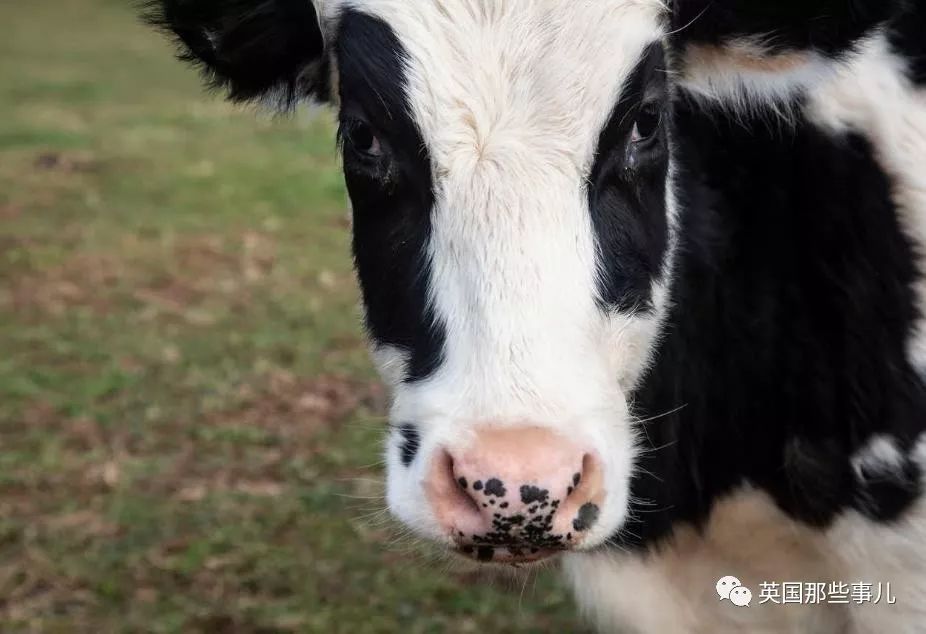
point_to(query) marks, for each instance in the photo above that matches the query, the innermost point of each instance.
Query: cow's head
(509, 170)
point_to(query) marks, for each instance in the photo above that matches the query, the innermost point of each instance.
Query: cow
(646, 279)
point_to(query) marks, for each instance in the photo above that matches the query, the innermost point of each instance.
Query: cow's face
(509, 172)
(508, 167)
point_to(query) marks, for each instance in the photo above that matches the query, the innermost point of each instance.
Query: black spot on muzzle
(530, 494)
(495, 487)
(588, 515)
(411, 442)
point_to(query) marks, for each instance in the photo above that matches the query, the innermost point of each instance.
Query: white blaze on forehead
(534, 80)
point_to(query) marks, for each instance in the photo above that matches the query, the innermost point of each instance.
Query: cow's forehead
(484, 76)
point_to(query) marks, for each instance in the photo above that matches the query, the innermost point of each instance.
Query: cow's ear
(254, 49)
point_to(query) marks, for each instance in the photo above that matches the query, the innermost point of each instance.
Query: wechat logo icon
(731, 588)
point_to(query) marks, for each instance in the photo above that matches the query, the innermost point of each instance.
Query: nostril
(576, 483)
(576, 479)
(464, 495)
(584, 495)
(582, 480)
(450, 495)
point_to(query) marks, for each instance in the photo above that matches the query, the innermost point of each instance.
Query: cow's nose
(516, 494)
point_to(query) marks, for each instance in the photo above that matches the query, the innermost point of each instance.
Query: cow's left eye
(647, 123)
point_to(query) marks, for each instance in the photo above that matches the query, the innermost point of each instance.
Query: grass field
(189, 425)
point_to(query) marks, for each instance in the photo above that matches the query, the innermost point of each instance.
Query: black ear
(254, 49)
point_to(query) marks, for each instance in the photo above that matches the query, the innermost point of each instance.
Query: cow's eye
(360, 138)
(647, 123)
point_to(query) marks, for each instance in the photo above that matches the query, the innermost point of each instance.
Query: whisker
(348, 496)
(663, 415)
(693, 20)
(378, 463)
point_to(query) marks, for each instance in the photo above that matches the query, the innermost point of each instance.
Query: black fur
(392, 202)
(411, 443)
(253, 49)
(627, 192)
(830, 27)
(907, 35)
(785, 351)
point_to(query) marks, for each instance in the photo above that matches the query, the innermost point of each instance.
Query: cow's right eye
(360, 138)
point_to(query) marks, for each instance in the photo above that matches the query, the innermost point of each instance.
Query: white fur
(511, 99)
(874, 97)
(863, 550)
(672, 588)
(880, 455)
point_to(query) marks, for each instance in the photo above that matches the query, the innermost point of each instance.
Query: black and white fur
(691, 235)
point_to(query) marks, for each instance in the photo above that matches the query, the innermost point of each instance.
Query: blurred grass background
(189, 425)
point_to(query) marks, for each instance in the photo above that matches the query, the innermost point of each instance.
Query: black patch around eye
(627, 189)
(391, 203)
(411, 443)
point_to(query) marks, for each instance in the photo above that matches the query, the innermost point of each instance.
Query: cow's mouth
(512, 554)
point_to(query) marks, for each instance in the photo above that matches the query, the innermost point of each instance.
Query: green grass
(189, 425)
